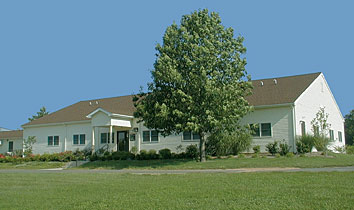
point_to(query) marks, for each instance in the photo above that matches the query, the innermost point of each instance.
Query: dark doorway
(11, 146)
(122, 141)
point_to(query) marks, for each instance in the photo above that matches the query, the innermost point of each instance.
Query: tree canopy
(42, 112)
(349, 128)
(199, 79)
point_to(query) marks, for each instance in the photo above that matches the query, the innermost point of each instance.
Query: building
(11, 141)
(283, 109)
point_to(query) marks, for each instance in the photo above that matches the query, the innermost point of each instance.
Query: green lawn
(31, 165)
(300, 162)
(300, 190)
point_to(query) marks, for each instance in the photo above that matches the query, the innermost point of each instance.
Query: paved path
(157, 171)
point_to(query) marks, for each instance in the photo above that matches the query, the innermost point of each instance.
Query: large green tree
(199, 79)
(42, 112)
(349, 128)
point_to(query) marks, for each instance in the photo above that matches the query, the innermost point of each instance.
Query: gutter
(53, 124)
(273, 106)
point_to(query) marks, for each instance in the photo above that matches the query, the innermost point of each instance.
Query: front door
(122, 141)
(11, 146)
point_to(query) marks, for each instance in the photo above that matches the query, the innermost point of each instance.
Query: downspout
(294, 127)
(66, 136)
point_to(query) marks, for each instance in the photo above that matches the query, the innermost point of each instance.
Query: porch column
(93, 139)
(110, 134)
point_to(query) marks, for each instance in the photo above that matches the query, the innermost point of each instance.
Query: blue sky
(56, 53)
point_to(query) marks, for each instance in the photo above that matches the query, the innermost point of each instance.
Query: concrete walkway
(157, 171)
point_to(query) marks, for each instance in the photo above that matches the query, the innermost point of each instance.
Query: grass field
(31, 165)
(231, 163)
(300, 190)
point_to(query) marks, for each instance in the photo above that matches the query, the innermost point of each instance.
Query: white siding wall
(307, 105)
(65, 133)
(281, 122)
(4, 147)
(171, 142)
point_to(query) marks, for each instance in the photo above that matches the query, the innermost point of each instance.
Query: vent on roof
(96, 102)
(262, 83)
(90, 103)
(275, 81)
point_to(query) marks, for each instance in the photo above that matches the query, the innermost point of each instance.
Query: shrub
(192, 151)
(321, 142)
(350, 149)
(277, 155)
(122, 155)
(305, 143)
(339, 149)
(181, 155)
(143, 155)
(165, 153)
(255, 155)
(134, 150)
(45, 157)
(241, 155)
(226, 143)
(284, 148)
(256, 149)
(272, 148)
(93, 157)
(289, 155)
(152, 155)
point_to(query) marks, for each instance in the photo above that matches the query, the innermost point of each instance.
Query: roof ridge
(288, 76)
(105, 98)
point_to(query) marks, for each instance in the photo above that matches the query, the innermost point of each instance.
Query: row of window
(148, 136)
(316, 130)
(78, 139)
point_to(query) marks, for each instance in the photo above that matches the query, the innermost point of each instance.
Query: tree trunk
(202, 147)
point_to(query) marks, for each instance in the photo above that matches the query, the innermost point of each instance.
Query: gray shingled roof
(286, 90)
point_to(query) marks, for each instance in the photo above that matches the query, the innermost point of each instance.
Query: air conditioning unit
(135, 129)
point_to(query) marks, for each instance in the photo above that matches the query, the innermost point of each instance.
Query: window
(190, 136)
(79, 139)
(151, 136)
(154, 136)
(265, 129)
(340, 136)
(105, 138)
(132, 137)
(53, 140)
(331, 135)
(11, 146)
(255, 130)
(303, 128)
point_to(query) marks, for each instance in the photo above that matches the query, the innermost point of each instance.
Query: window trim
(331, 135)
(150, 137)
(53, 141)
(340, 136)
